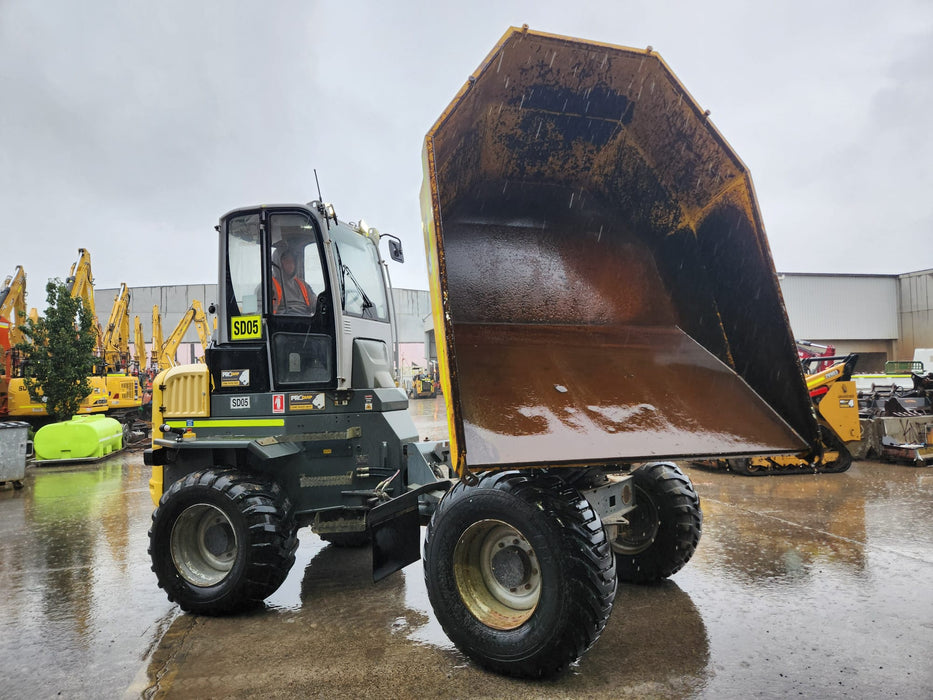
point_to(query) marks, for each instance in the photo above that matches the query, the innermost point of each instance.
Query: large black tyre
(663, 530)
(519, 573)
(222, 541)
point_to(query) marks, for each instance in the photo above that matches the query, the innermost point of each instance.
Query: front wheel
(519, 573)
(221, 541)
(663, 530)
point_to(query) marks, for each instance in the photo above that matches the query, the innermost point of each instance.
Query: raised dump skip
(602, 285)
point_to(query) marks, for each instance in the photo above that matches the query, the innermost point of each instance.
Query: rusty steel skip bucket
(602, 286)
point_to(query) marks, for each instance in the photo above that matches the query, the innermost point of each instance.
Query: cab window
(244, 266)
(297, 274)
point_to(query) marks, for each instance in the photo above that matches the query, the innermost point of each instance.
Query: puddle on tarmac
(789, 569)
(79, 601)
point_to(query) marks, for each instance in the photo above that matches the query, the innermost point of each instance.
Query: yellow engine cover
(839, 406)
(179, 392)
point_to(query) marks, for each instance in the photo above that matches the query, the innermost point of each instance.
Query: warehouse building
(881, 317)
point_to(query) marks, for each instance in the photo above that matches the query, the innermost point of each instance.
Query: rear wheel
(221, 541)
(663, 530)
(519, 573)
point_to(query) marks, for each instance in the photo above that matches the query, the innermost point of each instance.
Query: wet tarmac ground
(812, 586)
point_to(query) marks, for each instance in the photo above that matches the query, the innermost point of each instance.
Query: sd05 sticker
(239, 402)
(245, 327)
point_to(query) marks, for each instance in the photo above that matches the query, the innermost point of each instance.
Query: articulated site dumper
(604, 301)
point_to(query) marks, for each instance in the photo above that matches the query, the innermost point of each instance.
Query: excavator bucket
(602, 286)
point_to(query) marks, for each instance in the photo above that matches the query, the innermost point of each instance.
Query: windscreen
(362, 290)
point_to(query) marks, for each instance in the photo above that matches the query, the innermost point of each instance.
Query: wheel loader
(604, 302)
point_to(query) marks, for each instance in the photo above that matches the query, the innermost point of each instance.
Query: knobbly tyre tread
(679, 531)
(589, 577)
(272, 535)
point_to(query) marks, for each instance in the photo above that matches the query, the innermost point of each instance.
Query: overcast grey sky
(129, 127)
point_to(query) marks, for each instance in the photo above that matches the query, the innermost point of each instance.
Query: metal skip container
(13, 447)
(602, 286)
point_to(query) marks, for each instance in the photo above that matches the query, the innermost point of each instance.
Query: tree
(58, 352)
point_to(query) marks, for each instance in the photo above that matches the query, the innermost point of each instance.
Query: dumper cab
(296, 399)
(282, 268)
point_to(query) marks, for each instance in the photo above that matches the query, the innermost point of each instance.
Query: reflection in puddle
(79, 599)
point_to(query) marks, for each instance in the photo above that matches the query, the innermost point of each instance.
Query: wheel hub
(203, 544)
(641, 530)
(497, 574)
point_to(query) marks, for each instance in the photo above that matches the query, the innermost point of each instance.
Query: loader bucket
(602, 286)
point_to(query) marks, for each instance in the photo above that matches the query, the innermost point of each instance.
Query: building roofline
(839, 274)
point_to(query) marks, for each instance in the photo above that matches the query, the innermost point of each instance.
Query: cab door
(264, 345)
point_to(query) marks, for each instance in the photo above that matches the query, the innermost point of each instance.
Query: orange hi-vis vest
(278, 293)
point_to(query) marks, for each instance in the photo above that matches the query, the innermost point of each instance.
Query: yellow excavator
(80, 283)
(122, 387)
(13, 304)
(12, 315)
(166, 354)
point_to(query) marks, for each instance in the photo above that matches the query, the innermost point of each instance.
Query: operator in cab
(290, 293)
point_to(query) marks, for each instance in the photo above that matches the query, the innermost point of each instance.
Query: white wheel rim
(497, 574)
(204, 545)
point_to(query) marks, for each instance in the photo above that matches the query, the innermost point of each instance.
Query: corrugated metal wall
(841, 307)
(916, 312)
(412, 306)
(172, 302)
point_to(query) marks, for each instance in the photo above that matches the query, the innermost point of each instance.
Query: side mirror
(395, 251)
(395, 248)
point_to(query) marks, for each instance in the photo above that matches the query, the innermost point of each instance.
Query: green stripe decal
(229, 423)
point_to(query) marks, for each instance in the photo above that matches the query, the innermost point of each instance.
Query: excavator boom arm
(80, 283)
(13, 303)
(157, 342)
(201, 324)
(116, 336)
(139, 344)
